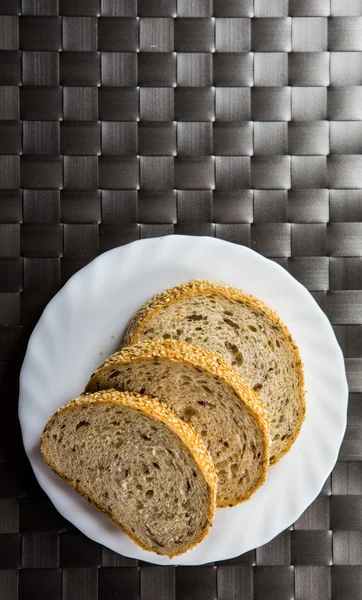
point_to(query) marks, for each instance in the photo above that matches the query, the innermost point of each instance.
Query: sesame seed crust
(160, 412)
(139, 322)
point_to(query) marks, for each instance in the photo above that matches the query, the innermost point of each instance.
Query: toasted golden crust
(139, 322)
(211, 363)
(160, 412)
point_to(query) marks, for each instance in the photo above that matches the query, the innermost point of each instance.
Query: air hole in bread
(189, 412)
(166, 336)
(232, 348)
(208, 404)
(156, 465)
(194, 318)
(252, 328)
(231, 323)
(114, 374)
(257, 387)
(234, 469)
(188, 340)
(238, 360)
(207, 389)
(179, 331)
(149, 494)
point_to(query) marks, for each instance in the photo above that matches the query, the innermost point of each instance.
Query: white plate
(84, 323)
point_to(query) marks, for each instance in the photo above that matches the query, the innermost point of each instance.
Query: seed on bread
(246, 333)
(137, 462)
(206, 392)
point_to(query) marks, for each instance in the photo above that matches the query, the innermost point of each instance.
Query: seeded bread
(247, 333)
(137, 462)
(207, 393)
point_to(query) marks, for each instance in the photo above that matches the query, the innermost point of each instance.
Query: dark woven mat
(120, 121)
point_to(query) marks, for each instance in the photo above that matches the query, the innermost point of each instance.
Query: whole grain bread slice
(246, 333)
(207, 393)
(137, 462)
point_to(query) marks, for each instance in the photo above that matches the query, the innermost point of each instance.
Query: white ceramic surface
(84, 323)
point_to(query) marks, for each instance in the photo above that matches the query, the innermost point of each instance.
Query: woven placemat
(121, 120)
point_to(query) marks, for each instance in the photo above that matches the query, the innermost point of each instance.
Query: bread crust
(198, 286)
(160, 412)
(213, 364)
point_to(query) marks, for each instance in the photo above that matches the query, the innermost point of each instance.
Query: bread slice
(207, 393)
(137, 462)
(247, 333)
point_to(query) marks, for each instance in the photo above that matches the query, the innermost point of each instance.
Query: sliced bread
(206, 392)
(247, 333)
(137, 462)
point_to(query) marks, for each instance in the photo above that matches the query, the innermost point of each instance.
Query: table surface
(120, 120)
